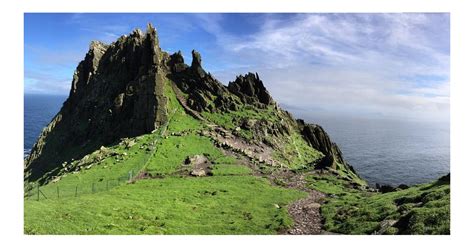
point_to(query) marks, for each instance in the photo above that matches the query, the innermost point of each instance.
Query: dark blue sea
(391, 151)
(39, 111)
(382, 151)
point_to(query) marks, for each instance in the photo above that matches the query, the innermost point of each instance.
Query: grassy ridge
(421, 209)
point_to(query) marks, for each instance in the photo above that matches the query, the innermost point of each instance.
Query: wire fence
(74, 190)
(37, 192)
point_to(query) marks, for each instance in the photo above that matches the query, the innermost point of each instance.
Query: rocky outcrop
(250, 90)
(205, 93)
(116, 91)
(319, 140)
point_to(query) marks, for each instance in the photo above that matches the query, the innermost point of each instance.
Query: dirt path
(304, 212)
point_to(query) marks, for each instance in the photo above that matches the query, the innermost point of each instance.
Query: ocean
(382, 151)
(391, 152)
(39, 111)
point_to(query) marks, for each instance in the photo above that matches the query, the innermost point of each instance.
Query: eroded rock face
(205, 93)
(251, 90)
(319, 140)
(116, 91)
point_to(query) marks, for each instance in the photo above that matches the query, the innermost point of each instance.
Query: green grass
(102, 174)
(329, 184)
(296, 153)
(422, 209)
(179, 121)
(230, 169)
(345, 174)
(229, 202)
(232, 119)
(211, 205)
(172, 151)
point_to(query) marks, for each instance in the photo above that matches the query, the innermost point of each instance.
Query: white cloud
(349, 61)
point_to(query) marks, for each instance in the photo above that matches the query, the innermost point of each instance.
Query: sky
(390, 65)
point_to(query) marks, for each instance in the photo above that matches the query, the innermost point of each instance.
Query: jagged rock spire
(250, 89)
(196, 64)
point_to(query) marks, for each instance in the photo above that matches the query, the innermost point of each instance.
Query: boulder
(195, 160)
(198, 172)
(385, 188)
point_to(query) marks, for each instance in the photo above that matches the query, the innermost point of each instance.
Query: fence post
(38, 191)
(75, 195)
(57, 190)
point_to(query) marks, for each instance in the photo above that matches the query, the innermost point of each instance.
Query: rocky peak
(97, 46)
(176, 63)
(153, 42)
(88, 66)
(251, 90)
(196, 60)
(117, 91)
(196, 64)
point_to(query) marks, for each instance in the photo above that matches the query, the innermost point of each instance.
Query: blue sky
(387, 65)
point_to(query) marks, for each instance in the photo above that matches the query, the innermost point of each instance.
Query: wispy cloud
(350, 61)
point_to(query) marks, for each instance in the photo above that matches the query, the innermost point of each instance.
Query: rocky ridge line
(118, 91)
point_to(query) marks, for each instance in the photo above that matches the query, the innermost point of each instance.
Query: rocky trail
(306, 215)
(304, 212)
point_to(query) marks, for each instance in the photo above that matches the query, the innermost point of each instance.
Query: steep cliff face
(319, 140)
(116, 91)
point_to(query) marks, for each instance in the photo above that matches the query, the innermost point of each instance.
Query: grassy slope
(231, 202)
(294, 151)
(421, 209)
(104, 172)
(212, 205)
(230, 120)
(173, 150)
